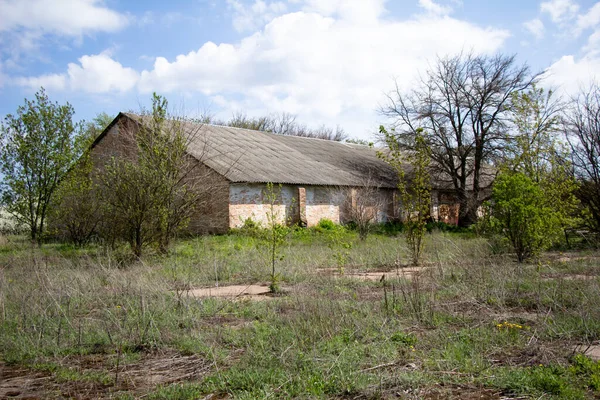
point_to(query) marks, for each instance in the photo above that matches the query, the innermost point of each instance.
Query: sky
(327, 61)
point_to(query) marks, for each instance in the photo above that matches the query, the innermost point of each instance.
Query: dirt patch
(446, 391)
(592, 351)
(135, 378)
(239, 292)
(463, 392)
(373, 276)
(569, 277)
(571, 257)
(20, 383)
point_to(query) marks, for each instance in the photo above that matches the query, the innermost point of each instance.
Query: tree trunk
(467, 215)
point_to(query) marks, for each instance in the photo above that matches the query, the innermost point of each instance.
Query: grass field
(471, 324)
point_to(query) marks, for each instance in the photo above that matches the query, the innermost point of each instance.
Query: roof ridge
(258, 130)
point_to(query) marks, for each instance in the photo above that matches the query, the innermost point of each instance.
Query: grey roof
(243, 155)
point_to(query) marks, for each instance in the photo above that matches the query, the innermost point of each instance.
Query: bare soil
(137, 378)
(592, 351)
(373, 276)
(241, 292)
(570, 277)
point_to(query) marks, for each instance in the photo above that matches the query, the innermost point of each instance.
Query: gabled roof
(249, 156)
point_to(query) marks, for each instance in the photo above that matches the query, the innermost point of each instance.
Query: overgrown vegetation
(275, 233)
(415, 192)
(469, 322)
(38, 145)
(81, 317)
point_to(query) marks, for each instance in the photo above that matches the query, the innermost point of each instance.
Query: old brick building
(317, 178)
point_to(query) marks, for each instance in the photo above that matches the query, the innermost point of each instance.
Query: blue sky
(327, 61)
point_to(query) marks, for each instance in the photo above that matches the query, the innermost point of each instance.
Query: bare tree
(281, 124)
(362, 205)
(462, 105)
(582, 126)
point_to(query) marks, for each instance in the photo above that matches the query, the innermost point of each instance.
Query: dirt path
(373, 276)
(234, 292)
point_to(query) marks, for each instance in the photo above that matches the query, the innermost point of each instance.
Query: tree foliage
(533, 197)
(150, 190)
(524, 214)
(94, 128)
(77, 211)
(415, 191)
(38, 145)
(461, 104)
(538, 152)
(276, 232)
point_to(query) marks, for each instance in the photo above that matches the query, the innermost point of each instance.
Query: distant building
(318, 178)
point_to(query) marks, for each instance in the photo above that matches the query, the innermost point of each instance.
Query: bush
(390, 228)
(522, 214)
(326, 224)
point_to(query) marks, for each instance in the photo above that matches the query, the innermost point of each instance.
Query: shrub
(326, 224)
(250, 227)
(523, 215)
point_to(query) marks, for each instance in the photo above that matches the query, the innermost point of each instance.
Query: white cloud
(99, 74)
(94, 74)
(2, 76)
(348, 10)
(329, 63)
(61, 17)
(591, 19)
(48, 81)
(433, 7)
(325, 66)
(535, 27)
(247, 18)
(560, 10)
(570, 75)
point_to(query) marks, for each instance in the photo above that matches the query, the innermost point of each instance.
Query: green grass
(474, 319)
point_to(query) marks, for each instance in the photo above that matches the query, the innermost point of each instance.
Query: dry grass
(88, 322)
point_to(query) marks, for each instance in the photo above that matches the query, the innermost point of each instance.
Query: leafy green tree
(537, 152)
(77, 212)
(276, 232)
(524, 214)
(94, 128)
(151, 193)
(415, 191)
(37, 148)
(534, 148)
(533, 196)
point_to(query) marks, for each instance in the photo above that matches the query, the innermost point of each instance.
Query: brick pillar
(435, 205)
(302, 206)
(396, 211)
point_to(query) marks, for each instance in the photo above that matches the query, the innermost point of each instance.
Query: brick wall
(298, 204)
(248, 200)
(211, 213)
